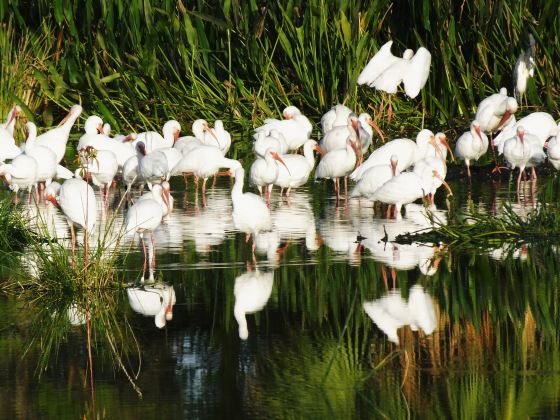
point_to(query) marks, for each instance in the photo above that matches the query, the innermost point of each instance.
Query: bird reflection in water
(155, 300)
(252, 290)
(391, 312)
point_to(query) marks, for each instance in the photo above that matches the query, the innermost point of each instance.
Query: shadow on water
(334, 319)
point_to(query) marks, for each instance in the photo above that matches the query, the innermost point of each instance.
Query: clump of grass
(70, 293)
(15, 233)
(480, 229)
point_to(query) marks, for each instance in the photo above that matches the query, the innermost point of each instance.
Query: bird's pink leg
(288, 191)
(533, 173)
(396, 211)
(345, 187)
(521, 171)
(204, 186)
(469, 172)
(247, 237)
(73, 239)
(214, 182)
(153, 250)
(196, 183)
(186, 179)
(144, 252)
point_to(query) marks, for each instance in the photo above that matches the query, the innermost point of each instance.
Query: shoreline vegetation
(243, 62)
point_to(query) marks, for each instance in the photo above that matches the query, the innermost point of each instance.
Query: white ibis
(102, 166)
(45, 157)
(295, 127)
(274, 141)
(8, 148)
(153, 140)
(374, 178)
(524, 69)
(76, 200)
(405, 188)
(250, 213)
(539, 124)
(518, 152)
(264, 172)
(471, 145)
(386, 72)
(338, 163)
(144, 217)
(153, 166)
(335, 117)
(407, 151)
(56, 138)
(20, 173)
(297, 168)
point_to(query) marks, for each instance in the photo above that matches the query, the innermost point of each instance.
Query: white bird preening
(264, 172)
(295, 127)
(386, 72)
(76, 200)
(471, 145)
(153, 140)
(297, 168)
(337, 116)
(338, 163)
(57, 138)
(144, 217)
(250, 213)
(252, 291)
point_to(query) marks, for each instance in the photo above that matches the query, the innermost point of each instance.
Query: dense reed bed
(140, 62)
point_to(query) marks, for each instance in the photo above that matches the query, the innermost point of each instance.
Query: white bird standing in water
(144, 217)
(471, 145)
(76, 200)
(250, 213)
(407, 151)
(517, 153)
(45, 157)
(102, 166)
(407, 187)
(297, 168)
(20, 173)
(263, 172)
(374, 178)
(57, 138)
(338, 163)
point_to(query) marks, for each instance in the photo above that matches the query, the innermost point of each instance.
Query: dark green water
(486, 345)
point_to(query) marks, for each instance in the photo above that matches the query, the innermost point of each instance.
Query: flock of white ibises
(398, 172)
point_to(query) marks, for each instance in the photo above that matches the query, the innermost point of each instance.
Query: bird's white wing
(392, 76)
(377, 65)
(63, 173)
(417, 73)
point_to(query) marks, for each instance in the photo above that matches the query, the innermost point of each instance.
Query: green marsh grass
(244, 61)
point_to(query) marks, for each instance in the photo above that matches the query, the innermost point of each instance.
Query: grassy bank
(138, 63)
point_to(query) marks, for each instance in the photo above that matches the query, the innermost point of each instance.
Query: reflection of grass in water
(68, 292)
